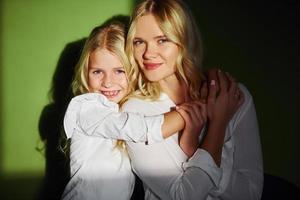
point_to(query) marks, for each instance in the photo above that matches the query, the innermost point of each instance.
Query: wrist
(189, 145)
(217, 125)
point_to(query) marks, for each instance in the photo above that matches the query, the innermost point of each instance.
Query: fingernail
(177, 107)
(212, 82)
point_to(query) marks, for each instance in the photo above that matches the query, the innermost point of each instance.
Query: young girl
(99, 167)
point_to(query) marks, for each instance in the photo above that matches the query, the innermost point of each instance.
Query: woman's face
(106, 75)
(153, 51)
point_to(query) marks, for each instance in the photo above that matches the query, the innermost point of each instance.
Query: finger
(203, 111)
(223, 82)
(233, 86)
(204, 91)
(184, 114)
(234, 89)
(229, 77)
(212, 74)
(197, 106)
(194, 112)
(212, 91)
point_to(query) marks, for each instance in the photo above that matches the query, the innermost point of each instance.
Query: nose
(150, 51)
(107, 81)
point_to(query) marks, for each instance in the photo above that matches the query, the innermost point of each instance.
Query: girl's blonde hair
(109, 36)
(177, 23)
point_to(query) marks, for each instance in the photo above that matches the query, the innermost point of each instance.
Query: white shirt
(166, 173)
(98, 169)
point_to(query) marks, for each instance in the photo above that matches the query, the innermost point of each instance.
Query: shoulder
(248, 99)
(147, 107)
(136, 105)
(133, 104)
(247, 95)
(91, 99)
(246, 106)
(85, 110)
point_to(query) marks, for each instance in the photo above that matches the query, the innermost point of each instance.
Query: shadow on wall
(51, 123)
(57, 172)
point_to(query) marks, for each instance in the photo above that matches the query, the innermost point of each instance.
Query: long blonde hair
(177, 23)
(109, 36)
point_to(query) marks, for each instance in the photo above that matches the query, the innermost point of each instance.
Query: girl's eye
(97, 72)
(137, 42)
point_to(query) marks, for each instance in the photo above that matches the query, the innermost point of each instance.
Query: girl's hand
(195, 117)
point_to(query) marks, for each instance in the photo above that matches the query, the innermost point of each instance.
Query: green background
(240, 39)
(33, 35)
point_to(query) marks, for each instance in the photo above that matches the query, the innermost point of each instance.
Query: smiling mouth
(110, 94)
(151, 66)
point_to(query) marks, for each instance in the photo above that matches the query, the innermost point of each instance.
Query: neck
(175, 88)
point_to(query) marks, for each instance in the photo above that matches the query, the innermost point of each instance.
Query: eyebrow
(118, 68)
(98, 67)
(156, 37)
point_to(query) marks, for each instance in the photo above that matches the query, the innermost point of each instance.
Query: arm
(94, 115)
(241, 157)
(173, 122)
(246, 177)
(166, 174)
(195, 117)
(221, 104)
(163, 167)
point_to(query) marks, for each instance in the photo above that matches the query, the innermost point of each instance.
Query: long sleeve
(164, 178)
(163, 167)
(92, 114)
(167, 174)
(245, 175)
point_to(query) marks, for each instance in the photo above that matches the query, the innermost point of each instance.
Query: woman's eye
(163, 40)
(120, 71)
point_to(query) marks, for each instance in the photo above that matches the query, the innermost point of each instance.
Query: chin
(154, 79)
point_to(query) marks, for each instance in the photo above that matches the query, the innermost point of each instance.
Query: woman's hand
(223, 99)
(195, 117)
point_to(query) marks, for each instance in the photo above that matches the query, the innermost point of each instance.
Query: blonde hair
(177, 23)
(109, 36)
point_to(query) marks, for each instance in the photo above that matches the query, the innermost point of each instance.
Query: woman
(223, 162)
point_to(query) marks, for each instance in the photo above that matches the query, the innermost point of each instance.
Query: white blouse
(167, 174)
(98, 169)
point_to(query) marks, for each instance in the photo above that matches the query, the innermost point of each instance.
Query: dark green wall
(258, 43)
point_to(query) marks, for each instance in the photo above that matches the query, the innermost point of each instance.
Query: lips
(110, 94)
(151, 66)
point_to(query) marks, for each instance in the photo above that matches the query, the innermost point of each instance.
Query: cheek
(171, 55)
(138, 54)
(122, 81)
(92, 81)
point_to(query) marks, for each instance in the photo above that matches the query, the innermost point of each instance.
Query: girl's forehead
(102, 58)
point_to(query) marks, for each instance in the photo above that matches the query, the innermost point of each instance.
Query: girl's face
(106, 75)
(153, 51)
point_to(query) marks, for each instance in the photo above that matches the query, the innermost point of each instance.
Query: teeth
(110, 93)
